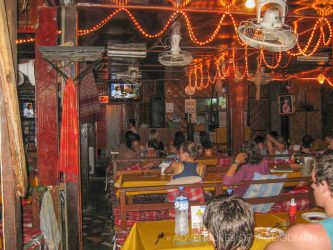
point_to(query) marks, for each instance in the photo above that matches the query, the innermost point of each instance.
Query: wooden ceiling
(204, 15)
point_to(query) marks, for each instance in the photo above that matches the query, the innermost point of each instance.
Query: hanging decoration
(200, 76)
(69, 134)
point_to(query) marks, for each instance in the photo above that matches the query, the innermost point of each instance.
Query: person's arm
(231, 177)
(280, 146)
(170, 169)
(240, 158)
(201, 170)
(302, 236)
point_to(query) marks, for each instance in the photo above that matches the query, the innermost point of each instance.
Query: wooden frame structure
(125, 205)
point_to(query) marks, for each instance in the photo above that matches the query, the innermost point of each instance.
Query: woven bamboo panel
(259, 114)
(263, 91)
(297, 129)
(314, 124)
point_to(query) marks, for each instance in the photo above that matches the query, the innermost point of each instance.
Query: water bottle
(181, 210)
(229, 192)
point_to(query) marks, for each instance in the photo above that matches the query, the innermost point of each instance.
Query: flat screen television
(124, 92)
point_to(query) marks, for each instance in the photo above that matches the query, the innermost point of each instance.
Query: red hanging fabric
(69, 135)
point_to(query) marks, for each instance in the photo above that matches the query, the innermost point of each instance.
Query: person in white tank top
(276, 147)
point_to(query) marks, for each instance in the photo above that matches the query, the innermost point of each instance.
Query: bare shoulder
(302, 236)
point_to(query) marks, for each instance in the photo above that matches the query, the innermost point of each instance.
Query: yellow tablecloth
(143, 234)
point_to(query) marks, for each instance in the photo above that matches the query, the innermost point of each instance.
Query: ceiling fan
(268, 32)
(132, 75)
(175, 57)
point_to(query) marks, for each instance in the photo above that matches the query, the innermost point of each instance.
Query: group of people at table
(232, 215)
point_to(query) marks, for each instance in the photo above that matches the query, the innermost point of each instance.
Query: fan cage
(276, 40)
(168, 59)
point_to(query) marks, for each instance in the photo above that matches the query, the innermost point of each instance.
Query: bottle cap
(181, 188)
(229, 191)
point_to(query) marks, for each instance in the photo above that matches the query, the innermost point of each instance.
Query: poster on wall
(169, 107)
(286, 104)
(190, 105)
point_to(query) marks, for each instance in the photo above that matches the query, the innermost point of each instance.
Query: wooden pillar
(11, 209)
(12, 165)
(73, 190)
(236, 109)
(84, 159)
(46, 100)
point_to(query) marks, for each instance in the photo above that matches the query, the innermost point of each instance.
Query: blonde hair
(192, 148)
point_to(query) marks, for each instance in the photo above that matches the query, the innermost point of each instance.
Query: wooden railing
(125, 206)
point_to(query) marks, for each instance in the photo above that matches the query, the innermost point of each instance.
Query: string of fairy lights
(199, 76)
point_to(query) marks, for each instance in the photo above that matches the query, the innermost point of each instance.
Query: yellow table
(143, 234)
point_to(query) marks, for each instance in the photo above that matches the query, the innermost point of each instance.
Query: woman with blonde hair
(187, 171)
(187, 167)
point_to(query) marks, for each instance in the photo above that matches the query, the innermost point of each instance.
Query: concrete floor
(97, 218)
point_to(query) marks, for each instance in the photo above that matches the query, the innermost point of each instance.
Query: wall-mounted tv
(124, 92)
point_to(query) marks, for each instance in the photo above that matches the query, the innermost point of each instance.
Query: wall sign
(190, 105)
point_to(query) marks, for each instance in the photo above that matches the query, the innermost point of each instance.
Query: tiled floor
(97, 220)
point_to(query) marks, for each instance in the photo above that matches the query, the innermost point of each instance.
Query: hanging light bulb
(250, 4)
(321, 78)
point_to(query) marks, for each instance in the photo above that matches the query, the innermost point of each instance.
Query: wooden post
(46, 100)
(73, 190)
(11, 217)
(123, 212)
(84, 155)
(12, 165)
(236, 109)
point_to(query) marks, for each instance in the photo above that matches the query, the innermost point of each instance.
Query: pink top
(245, 172)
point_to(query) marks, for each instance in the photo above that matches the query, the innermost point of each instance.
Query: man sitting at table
(230, 223)
(317, 235)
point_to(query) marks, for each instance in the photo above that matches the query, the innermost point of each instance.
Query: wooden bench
(126, 206)
(115, 164)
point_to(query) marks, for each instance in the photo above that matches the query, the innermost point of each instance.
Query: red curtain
(69, 135)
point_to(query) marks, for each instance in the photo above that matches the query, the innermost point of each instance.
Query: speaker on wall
(158, 113)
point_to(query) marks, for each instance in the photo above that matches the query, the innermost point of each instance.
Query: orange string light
(320, 25)
(270, 66)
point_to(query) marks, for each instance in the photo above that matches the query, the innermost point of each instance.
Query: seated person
(205, 140)
(314, 235)
(179, 138)
(244, 167)
(230, 223)
(277, 147)
(132, 150)
(259, 140)
(154, 141)
(187, 171)
(187, 167)
(306, 144)
(131, 124)
(329, 142)
(206, 143)
(305, 148)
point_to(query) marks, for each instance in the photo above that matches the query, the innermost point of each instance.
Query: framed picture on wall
(286, 104)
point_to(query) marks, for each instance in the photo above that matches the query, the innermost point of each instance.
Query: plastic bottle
(229, 192)
(181, 212)
(292, 211)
